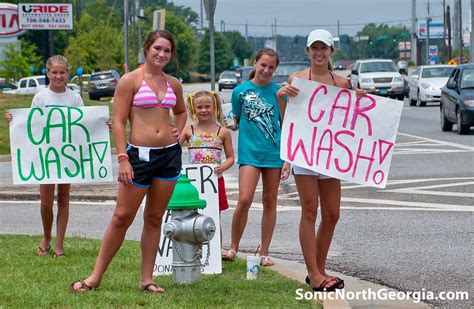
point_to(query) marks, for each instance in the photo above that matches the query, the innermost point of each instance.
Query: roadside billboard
(45, 16)
(436, 30)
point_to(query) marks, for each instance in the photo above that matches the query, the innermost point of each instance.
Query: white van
(29, 85)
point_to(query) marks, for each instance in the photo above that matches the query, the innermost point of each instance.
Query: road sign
(45, 16)
(433, 54)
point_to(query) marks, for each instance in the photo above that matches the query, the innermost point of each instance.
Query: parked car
(378, 76)
(285, 69)
(228, 80)
(103, 84)
(402, 66)
(74, 88)
(29, 85)
(85, 81)
(457, 100)
(5, 86)
(243, 73)
(426, 82)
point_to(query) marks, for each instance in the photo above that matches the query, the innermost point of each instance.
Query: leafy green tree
(93, 50)
(17, 62)
(241, 49)
(222, 51)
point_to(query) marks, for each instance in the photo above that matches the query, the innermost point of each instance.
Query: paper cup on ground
(253, 267)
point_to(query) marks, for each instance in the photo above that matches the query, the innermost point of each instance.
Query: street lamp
(210, 7)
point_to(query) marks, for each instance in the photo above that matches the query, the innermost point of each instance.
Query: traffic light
(394, 39)
(370, 42)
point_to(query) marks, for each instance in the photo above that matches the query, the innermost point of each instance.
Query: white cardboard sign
(204, 179)
(330, 131)
(60, 145)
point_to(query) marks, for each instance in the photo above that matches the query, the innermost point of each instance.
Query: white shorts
(304, 171)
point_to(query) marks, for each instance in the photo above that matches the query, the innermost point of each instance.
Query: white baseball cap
(320, 35)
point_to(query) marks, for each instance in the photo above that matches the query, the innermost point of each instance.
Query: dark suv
(102, 84)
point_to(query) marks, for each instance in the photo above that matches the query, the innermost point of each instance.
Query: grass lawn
(30, 281)
(9, 101)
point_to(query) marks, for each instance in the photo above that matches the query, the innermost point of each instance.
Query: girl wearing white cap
(319, 47)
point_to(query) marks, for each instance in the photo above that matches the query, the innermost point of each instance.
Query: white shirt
(47, 98)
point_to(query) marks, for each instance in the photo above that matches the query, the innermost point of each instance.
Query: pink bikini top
(146, 97)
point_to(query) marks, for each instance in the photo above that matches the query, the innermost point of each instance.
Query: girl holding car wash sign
(56, 94)
(312, 186)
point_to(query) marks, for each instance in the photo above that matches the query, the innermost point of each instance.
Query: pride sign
(330, 131)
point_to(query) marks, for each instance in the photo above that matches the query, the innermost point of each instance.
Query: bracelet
(122, 155)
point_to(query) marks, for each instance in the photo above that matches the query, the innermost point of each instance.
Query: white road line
(408, 204)
(446, 185)
(435, 193)
(438, 141)
(407, 181)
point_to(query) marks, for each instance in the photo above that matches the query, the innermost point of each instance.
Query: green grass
(8, 101)
(30, 281)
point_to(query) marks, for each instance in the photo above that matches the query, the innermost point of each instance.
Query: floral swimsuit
(205, 148)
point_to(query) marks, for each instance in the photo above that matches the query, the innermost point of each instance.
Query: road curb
(292, 270)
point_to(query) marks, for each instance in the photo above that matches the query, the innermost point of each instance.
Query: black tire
(446, 125)
(401, 97)
(92, 97)
(220, 89)
(462, 128)
(419, 102)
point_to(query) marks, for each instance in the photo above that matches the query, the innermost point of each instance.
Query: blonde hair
(215, 99)
(58, 59)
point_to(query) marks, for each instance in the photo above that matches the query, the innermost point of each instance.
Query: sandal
(340, 284)
(230, 256)
(322, 287)
(84, 287)
(58, 256)
(146, 288)
(266, 261)
(41, 252)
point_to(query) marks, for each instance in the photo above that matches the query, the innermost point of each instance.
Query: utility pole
(448, 22)
(444, 31)
(472, 33)
(428, 19)
(210, 7)
(201, 19)
(456, 25)
(461, 44)
(125, 20)
(414, 41)
(247, 31)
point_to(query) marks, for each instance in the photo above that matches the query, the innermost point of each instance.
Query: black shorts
(148, 163)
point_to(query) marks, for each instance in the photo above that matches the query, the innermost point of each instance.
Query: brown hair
(152, 36)
(216, 100)
(264, 51)
(59, 59)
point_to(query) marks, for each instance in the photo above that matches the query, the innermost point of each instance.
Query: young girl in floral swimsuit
(208, 137)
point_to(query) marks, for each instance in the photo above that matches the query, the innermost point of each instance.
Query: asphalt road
(416, 234)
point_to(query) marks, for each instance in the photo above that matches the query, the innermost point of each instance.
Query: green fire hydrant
(188, 230)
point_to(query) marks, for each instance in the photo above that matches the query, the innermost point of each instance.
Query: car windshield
(383, 66)
(102, 76)
(467, 79)
(436, 72)
(288, 68)
(228, 75)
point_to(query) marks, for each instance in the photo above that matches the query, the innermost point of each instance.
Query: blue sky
(301, 16)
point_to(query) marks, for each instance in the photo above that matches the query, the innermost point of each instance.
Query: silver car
(426, 82)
